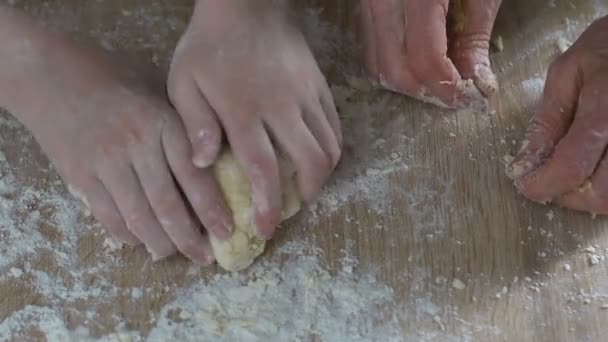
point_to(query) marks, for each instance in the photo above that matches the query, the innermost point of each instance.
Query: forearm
(234, 12)
(19, 58)
(37, 65)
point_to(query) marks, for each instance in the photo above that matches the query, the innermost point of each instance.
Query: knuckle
(477, 42)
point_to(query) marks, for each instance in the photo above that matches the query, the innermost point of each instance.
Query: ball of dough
(243, 247)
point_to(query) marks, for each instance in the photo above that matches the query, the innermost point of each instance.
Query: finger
(199, 185)
(318, 123)
(368, 39)
(254, 151)
(105, 210)
(592, 196)
(125, 188)
(578, 153)
(312, 164)
(97, 199)
(552, 120)
(168, 205)
(383, 33)
(426, 46)
(329, 107)
(473, 21)
(200, 119)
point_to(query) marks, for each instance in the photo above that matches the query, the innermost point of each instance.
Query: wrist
(230, 12)
(30, 54)
(14, 46)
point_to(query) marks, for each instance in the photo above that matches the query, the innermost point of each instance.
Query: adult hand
(563, 158)
(409, 49)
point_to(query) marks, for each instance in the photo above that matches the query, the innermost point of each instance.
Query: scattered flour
(290, 296)
(300, 300)
(533, 87)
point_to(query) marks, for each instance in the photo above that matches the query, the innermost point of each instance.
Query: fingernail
(526, 161)
(204, 151)
(228, 225)
(485, 80)
(521, 164)
(472, 98)
(201, 159)
(519, 169)
(207, 260)
(131, 242)
(155, 257)
(257, 231)
(210, 258)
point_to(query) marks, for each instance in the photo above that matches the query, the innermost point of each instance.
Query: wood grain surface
(429, 201)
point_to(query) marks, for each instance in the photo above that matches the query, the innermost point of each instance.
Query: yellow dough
(243, 247)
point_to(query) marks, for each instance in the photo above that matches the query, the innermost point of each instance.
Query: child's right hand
(244, 69)
(115, 143)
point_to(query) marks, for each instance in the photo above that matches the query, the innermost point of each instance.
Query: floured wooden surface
(420, 236)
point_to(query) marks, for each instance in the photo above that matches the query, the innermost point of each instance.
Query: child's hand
(408, 49)
(112, 141)
(563, 158)
(242, 66)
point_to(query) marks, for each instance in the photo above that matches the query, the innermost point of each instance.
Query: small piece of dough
(243, 247)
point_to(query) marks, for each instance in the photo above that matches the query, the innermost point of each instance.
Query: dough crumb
(458, 284)
(562, 44)
(497, 43)
(241, 249)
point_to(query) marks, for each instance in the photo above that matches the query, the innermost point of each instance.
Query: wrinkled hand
(563, 158)
(113, 141)
(242, 66)
(408, 49)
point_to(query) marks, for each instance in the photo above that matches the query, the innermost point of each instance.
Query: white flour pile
(296, 301)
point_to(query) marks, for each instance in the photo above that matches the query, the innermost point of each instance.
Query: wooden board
(421, 196)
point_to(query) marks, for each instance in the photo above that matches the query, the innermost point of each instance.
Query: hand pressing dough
(243, 247)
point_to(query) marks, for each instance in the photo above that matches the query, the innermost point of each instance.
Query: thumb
(200, 120)
(472, 23)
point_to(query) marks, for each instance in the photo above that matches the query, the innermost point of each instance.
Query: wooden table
(421, 196)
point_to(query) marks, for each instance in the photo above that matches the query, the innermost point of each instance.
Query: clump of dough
(243, 247)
